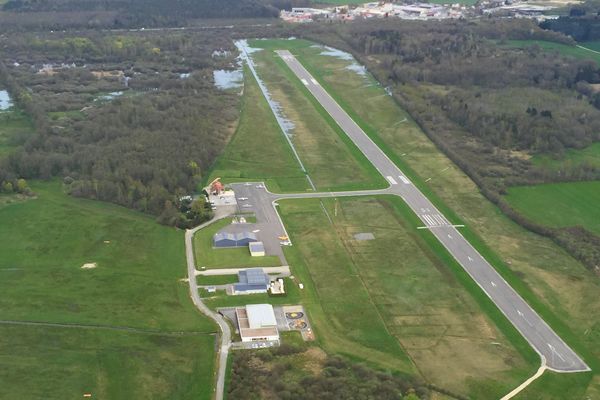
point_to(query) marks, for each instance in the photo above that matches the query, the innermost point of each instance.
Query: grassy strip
(556, 323)
(376, 179)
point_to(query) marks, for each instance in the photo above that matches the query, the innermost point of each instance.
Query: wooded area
(133, 119)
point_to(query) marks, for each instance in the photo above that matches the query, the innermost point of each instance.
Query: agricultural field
(208, 257)
(561, 289)
(124, 326)
(559, 205)
(589, 155)
(584, 50)
(395, 295)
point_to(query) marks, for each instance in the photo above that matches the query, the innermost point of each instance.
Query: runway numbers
(391, 180)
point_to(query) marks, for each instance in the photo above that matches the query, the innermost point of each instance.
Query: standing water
(5, 101)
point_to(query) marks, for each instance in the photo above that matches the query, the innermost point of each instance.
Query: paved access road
(557, 354)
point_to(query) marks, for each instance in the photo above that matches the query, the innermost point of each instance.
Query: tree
(7, 187)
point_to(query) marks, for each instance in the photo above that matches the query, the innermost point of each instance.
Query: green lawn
(15, 127)
(209, 257)
(564, 49)
(136, 284)
(220, 299)
(559, 204)
(65, 363)
(561, 289)
(258, 150)
(396, 296)
(572, 158)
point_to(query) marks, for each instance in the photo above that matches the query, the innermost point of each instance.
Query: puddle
(228, 79)
(5, 101)
(354, 66)
(110, 96)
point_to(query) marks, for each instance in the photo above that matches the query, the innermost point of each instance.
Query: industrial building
(224, 239)
(257, 322)
(257, 249)
(252, 280)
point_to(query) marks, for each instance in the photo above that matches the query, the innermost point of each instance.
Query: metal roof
(260, 316)
(253, 276)
(256, 246)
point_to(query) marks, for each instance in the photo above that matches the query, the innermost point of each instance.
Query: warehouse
(224, 239)
(257, 322)
(252, 280)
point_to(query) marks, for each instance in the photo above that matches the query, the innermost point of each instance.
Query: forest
(134, 119)
(488, 106)
(282, 374)
(115, 14)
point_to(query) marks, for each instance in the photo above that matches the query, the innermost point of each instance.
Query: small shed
(257, 249)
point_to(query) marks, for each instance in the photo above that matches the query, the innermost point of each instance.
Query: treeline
(69, 14)
(147, 145)
(487, 106)
(580, 27)
(271, 374)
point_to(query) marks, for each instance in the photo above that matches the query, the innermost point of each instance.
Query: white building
(257, 322)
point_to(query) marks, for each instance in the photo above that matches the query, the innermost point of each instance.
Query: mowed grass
(208, 257)
(64, 363)
(581, 51)
(136, 284)
(258, 150)
(559, 204)
(329, 156)
(15, 128)
(561, 289)
(395, 295)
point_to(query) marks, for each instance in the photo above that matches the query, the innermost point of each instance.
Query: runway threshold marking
(391, 180)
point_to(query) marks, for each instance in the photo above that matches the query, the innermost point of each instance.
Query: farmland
(559, 204)
(126, 311)
(15, 127)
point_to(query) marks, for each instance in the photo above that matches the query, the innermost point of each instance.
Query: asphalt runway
(557, 355)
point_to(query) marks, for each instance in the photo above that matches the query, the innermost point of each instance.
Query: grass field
(559, 204)
(258, 151)
(63, 363)
(209, 257)
(589, 156)
(564, 49)
(331, 159)
(15, 127)
(395, 295)
(136, 284)
(559, 288)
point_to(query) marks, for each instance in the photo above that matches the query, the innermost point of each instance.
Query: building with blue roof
(252, 280)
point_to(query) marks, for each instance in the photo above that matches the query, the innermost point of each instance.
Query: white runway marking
(404, 179)
(314, 81)
(449, 237)
(428, 219)
(304, 81)
(391, 180)
(469, 257)
(493, 284)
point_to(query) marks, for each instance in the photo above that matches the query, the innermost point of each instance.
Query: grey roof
(253, 276)
(244, 287)
(256, 246)
(224, 236)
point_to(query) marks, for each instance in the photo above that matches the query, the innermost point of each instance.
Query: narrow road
(558, 355)
(225, 330)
